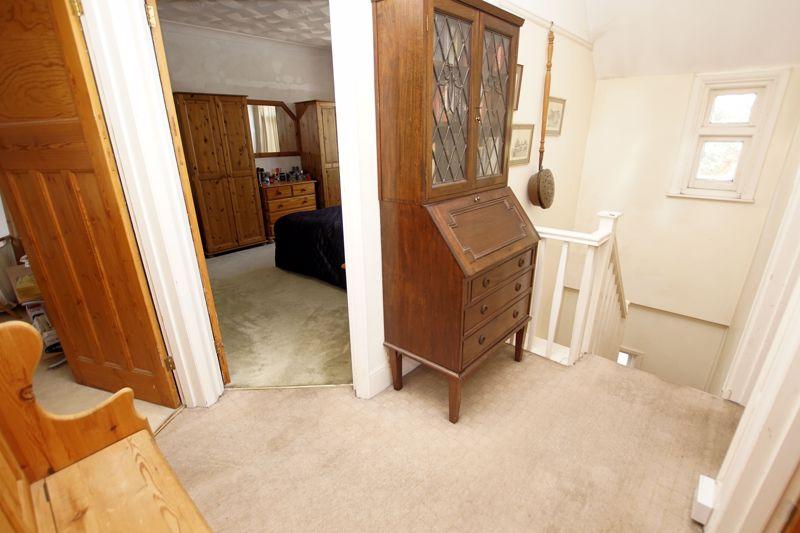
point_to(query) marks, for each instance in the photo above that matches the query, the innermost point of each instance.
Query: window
(728, 128)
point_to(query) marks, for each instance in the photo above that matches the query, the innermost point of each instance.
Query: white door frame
(765, 450)
(124, 63)
(771, 297)
(123, 58)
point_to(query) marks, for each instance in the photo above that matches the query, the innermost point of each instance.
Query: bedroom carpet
(539, 447)
(279, 328)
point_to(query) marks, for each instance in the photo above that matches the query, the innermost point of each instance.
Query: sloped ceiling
(644, 37)
(299, 21)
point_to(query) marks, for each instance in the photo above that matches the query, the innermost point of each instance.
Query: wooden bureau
(281, 198)
(457, 246)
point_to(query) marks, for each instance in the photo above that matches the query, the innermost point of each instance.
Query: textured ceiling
(298, 21)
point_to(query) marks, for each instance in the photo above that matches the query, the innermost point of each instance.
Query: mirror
(273, 128)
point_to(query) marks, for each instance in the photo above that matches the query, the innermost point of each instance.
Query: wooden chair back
(41, 442)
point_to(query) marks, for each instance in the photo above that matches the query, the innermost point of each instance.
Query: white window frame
(770, 86)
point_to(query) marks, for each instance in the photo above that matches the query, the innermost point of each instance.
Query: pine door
(60, 184)
(329, 152)
(208, 169)
(242, 183)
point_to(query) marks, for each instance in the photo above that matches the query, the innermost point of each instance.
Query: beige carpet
(540, 447)
(279, 328)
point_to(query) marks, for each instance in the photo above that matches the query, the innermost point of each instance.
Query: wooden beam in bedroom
(166, 87)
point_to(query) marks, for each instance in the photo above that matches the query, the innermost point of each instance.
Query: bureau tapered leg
(518, 344)
(396, 362)
(455, 398)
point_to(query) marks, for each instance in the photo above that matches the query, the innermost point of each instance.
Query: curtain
(266, 129)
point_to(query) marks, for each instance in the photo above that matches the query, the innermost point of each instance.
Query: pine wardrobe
(215, 131)
(319, 148)
(458, 248)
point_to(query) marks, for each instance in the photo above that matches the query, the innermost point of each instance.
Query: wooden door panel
(333, 193)
(62, 189)
(235, 125)
(330, 140)
(218, 218)
(247, 212)
(204, 145)
(208, 170)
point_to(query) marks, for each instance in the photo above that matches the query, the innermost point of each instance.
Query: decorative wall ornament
(541, 186)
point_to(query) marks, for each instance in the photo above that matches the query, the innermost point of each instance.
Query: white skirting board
(704, 499)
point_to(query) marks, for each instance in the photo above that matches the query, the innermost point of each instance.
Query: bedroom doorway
(262, 178)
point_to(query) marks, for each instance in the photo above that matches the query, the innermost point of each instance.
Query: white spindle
(538, 286)
(558, 295)
(582, 306)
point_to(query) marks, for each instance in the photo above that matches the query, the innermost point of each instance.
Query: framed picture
(555, 116)
(521, 144)
(517, 86)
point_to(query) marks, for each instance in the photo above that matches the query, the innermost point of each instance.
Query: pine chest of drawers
(280, 199)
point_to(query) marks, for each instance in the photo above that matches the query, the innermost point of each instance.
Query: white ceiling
(642, 37)
(298, 21)
(630, 37)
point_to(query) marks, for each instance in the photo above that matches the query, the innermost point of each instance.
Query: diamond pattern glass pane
(451, 58)
(494, 84)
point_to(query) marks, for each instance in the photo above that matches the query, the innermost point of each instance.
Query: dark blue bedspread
(312, 243)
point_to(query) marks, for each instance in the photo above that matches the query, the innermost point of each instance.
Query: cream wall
(212, 61)
(747, 297)
(684, 261)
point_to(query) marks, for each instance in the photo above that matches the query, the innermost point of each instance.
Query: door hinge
(151, 15)
(170, 362)
(77, 7)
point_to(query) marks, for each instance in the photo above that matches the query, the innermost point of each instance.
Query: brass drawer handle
(518, 286)
(477, 199)
(486, 282)
(481, 339)
(484, 308)
(521, 261)
(515, 314)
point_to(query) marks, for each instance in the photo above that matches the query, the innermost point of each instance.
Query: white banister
(601, 308)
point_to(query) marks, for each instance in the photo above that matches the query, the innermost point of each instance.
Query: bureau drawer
(477, 312)
(303, 188)
(274, 216)
(291, 203)
(492, 278)
(284, 191)
(494, 331)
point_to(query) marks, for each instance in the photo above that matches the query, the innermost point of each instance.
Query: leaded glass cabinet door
(453, 45)
(498, 42)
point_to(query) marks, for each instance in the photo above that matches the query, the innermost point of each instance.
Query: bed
(312, 243)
